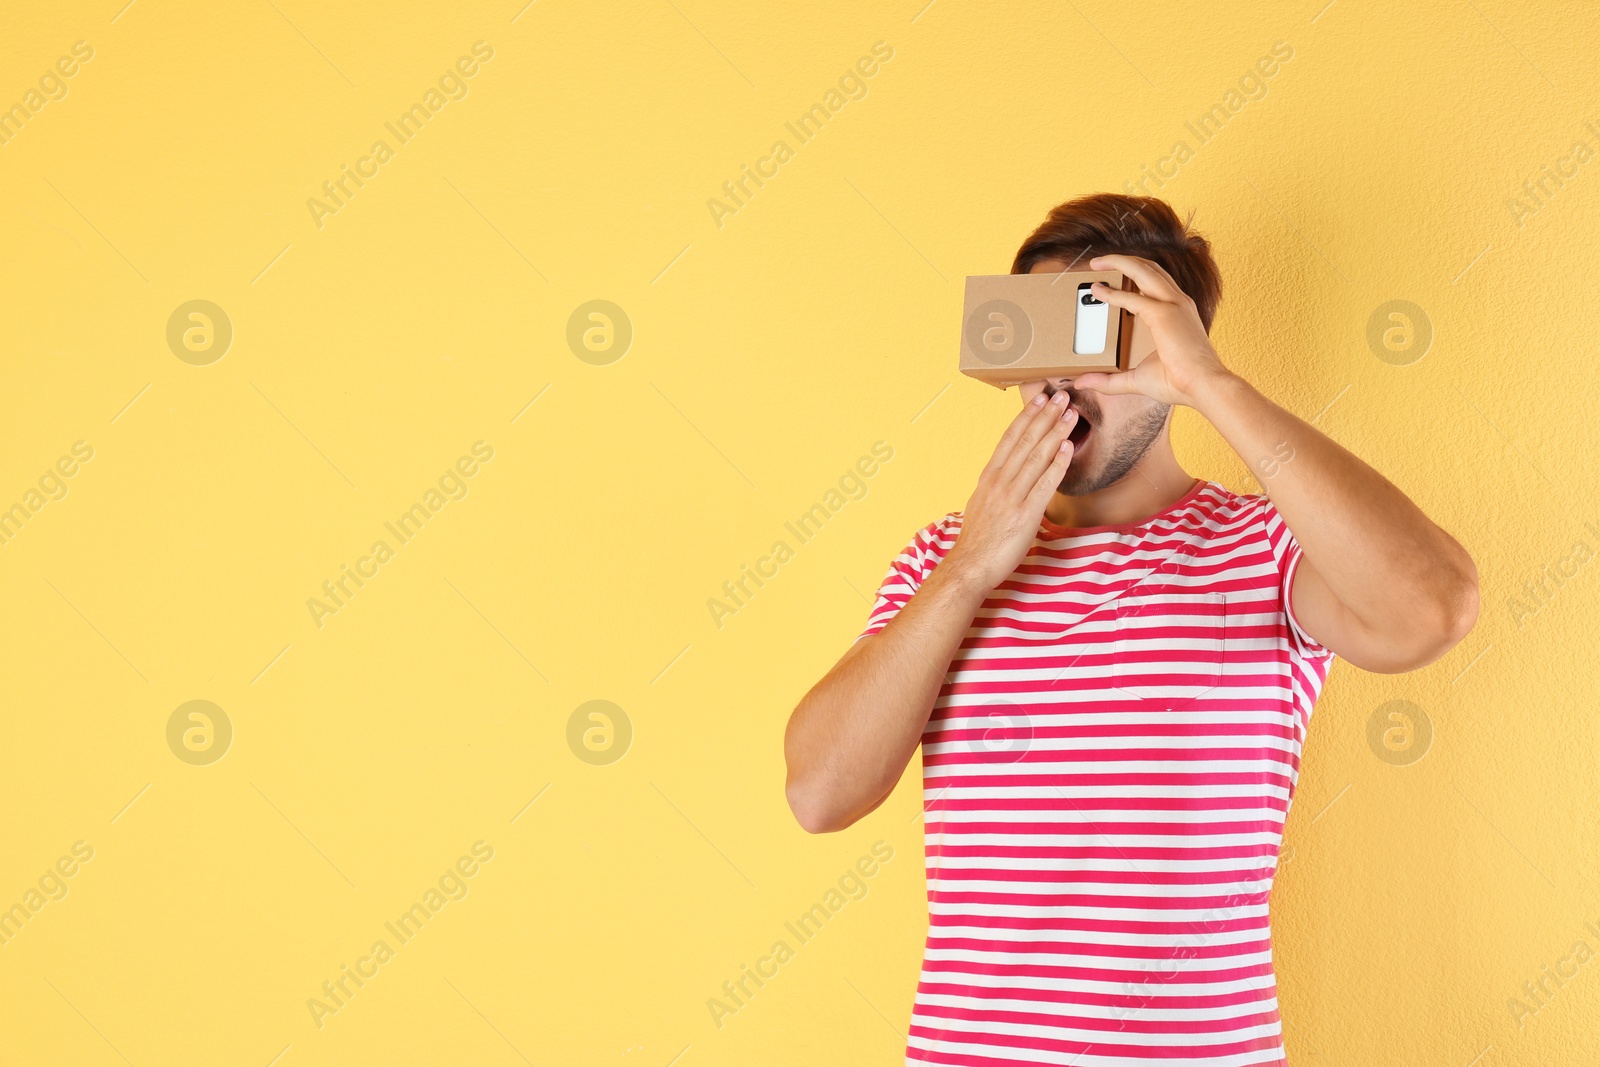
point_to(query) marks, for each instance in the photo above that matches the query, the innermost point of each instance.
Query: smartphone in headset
(1089, 334)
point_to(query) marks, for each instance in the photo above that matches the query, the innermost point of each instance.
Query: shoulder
(931, 542)
(1255, 517)
(938, 536)
(1223, 502)
(1227, 508)
(1234, 523)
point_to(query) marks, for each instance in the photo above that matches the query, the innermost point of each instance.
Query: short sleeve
(907, 572)
(1286, 556)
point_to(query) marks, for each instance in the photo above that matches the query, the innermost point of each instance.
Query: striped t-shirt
(1106, 775)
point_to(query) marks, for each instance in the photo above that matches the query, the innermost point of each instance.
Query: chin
(1085, 474)
(1080, 482)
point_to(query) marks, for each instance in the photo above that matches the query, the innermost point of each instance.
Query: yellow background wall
(374, 345)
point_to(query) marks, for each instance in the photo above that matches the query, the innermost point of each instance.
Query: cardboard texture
(1019, 328)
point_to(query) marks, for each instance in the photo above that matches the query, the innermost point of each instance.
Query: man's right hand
(1002, 517)
(851, 737)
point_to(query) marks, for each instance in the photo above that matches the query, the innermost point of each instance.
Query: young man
(1110, 666)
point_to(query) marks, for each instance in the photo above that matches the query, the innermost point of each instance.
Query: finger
(1149, 275)
(1049, 479)
(1043, 418)
(1041, 424)
(1008, 439)
(1163, 272)
(1106, 383)
(1038, 457)
(1138, 303)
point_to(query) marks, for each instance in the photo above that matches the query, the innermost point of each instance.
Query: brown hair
(1105, 223)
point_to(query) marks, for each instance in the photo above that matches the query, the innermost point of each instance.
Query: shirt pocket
(1170, 648)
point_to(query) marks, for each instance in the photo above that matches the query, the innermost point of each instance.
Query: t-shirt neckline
(1200, 485)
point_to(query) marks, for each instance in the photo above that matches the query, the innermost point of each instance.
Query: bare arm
(850, 738)
(852, 735)
(1379, 583)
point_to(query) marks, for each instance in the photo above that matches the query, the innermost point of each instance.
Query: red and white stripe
(1106, 775)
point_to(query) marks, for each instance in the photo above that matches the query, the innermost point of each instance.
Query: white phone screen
(1089, 334)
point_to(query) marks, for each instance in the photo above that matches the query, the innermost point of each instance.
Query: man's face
(1113, 432)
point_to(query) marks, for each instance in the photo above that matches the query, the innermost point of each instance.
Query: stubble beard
(1130, 449)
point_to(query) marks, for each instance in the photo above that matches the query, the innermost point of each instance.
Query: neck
(1153, 485)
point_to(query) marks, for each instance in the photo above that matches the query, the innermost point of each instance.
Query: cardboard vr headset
(1029, 327)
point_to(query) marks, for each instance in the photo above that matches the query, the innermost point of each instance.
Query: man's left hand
(1183, 363)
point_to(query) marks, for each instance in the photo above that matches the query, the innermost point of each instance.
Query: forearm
(1385, 562)
(851, 737)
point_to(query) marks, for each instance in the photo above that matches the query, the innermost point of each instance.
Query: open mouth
(1079, 432)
